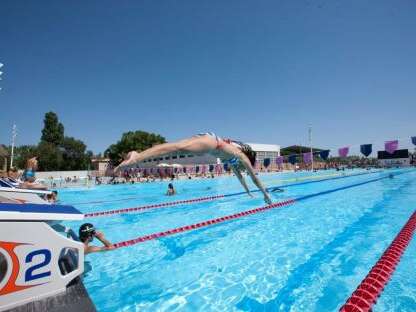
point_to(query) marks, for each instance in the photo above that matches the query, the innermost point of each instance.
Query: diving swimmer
(239, 156)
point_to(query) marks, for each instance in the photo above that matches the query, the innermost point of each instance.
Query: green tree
(49, 156)
(132, 141)
(74, 155)
(53, 130)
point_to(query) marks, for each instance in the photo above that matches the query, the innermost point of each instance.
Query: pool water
(309, 256)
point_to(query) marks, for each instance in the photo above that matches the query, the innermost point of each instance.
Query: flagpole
(14, 133)
(310, 144)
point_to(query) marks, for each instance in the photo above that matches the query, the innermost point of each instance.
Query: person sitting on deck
(87, 233)
(29, 178)
(171, 190)
(239, 156)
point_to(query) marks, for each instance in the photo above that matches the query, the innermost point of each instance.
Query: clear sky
(259, 71)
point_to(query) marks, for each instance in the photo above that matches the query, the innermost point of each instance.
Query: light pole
(14, 134)
(310, 144)
(1, 65)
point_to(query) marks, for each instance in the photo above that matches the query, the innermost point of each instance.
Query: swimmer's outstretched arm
(232, 150)
(255, 179)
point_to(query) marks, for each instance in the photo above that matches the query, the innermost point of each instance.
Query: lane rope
(312, 177)
(371, 287)
(238, 215)
(201, 199)
(154, 206)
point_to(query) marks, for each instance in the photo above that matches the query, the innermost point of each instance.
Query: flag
(391, 146)
(343, 151)
(324, 154)
(366, 149)
(307, 158)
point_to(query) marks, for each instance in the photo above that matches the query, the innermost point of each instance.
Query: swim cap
(85, 231)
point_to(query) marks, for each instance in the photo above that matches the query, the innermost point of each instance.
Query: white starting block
(35, 260)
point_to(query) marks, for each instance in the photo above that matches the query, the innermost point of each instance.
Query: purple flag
(391, 146)
(279, 160)
(307, 158)
(343, 151)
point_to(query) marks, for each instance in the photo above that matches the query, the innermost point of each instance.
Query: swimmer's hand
(267, 199)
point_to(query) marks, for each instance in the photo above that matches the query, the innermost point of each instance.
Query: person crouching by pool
(171, 190)
(87, 233)
(29, 178)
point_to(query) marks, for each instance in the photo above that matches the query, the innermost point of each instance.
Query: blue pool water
(309, 256)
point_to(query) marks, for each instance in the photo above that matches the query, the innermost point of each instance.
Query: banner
(279, 160)
(324, 154)
(266, 162)
(343, 151)
(391, 146)
(307, 158)
(366, 149)
(414, 140)
(292, 159)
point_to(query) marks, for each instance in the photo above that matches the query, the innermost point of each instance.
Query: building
(263, 151)
(4, 157)
(298, 150)
(400, 158)
(183, 159)
(100, 164)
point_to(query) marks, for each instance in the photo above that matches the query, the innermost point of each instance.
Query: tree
(132, 141)
(74, 155)
(53, 130)
(49, 156)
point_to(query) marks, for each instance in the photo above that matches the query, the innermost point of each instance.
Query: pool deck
(74, 299)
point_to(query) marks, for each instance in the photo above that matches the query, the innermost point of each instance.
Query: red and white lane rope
(193, 200)
(202, 224)
(161, 205)
(366, 294)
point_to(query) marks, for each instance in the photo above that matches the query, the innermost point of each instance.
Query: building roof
(298, 149)
(264, 147)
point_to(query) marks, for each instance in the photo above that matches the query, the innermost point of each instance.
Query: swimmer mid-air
(237, 154)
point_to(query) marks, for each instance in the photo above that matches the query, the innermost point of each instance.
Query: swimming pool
(309, 256)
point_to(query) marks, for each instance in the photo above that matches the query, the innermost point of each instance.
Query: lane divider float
(366, 294)
(154, 206)
(313, 177)
(200, 199)
(234, 216)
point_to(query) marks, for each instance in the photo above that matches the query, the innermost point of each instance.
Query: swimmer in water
(239, 156)
(171, 190)
(87, 233)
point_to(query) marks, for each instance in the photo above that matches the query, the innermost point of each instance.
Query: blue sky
(259, 71)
